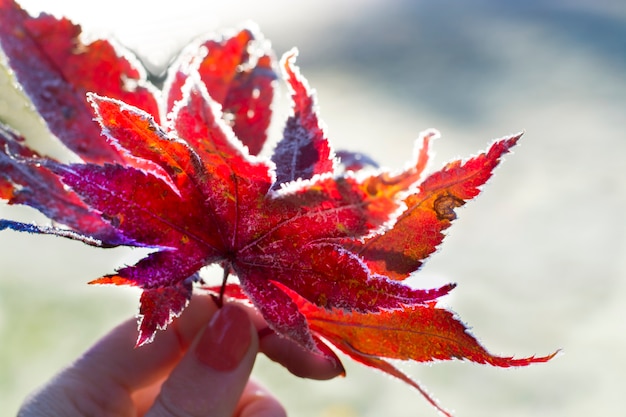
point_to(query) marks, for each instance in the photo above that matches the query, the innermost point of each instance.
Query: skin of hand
(199, 366)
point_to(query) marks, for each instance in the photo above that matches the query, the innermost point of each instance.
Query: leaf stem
(220, 299)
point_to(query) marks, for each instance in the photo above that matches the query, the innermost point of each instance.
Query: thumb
(212, 375)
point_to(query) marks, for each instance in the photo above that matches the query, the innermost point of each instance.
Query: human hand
(199, 366)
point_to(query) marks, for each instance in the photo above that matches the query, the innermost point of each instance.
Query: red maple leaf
(319, 249)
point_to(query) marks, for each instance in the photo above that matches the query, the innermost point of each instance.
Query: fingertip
(298, 361)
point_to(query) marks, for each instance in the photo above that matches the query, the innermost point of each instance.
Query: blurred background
(540, 257)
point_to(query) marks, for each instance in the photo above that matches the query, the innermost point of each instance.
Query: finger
(292, 356)
(115, 367)
(299, 361)
(211, 377)
(257, 401)
(115, 357)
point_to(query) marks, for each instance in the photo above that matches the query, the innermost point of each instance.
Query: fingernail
(225, 340)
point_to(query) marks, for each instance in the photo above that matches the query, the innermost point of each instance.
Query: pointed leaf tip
(238, 71)
(418, 231)
(113, 280)
(304, 150)
(159, 306)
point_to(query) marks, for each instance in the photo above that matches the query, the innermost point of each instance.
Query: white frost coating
(188, 62)
(130, 84)
(360, 176)
(345, 252)
(195, 52)
(172, 315)
(155, 169)
(56, 231)
(193, 81)
(299, 184)
(290, 56)
(423, 140)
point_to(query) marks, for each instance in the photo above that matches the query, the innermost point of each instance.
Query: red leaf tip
(112, 279)
(509, 362)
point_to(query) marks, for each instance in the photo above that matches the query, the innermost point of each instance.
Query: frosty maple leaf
(319, 250)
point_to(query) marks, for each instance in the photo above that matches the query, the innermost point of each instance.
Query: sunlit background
(540, 257)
